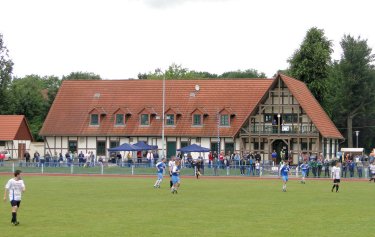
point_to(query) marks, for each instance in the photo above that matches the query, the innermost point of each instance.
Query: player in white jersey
(171, 163)
(372, 171)
(336, 171)
(15, 187)
(160, 167)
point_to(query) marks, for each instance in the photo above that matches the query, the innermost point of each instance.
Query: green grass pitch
(120, 206)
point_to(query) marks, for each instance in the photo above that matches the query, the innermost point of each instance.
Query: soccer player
(304, 167)
(176, 176)
(372, 171)
(171, 163)
(336, 171)
(284, 172)
(160, 167)
(15, 187)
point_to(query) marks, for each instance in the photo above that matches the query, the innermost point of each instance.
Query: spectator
(359, 169)
(351, 166)
(27, 158)
(81, 158)
(257, 168)
(210, 159)
(326, 167)
(130, 160)
(319, 165)
(242, 165)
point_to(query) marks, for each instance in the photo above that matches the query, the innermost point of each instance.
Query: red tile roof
(14, 127)
(69, 114)
(312, 107)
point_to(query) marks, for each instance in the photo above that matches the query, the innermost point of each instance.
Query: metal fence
(124, 168)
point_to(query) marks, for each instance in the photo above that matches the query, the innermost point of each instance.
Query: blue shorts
(175, 179)
(304, 173)
(160, 175)
(284, 178)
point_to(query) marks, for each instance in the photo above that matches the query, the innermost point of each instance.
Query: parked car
(7, 155)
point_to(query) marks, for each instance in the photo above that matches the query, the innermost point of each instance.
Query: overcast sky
(117, 39)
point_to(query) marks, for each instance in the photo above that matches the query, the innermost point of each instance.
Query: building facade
(15, 135)
(229, 115)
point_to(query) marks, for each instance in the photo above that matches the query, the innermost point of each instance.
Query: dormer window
(97, 114)
(224, 120)
(121, 115)
(197, 119)
(94, 119)
(146, 115)
(120, 120)
(170, 120)
(198, 115)
(145, 119)
(225, 116)
(171, 116)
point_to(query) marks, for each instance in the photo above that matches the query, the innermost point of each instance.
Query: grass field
(119, 206)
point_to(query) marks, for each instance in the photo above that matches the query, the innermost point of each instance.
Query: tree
(352, 84)
(249, 73)
(27, 98)
(6, 69)
(311, 62)
(82, 76)
(175, 71)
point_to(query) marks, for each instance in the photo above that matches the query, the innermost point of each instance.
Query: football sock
(14, 216)
(170, 184)
(337, 188)
(333, 187)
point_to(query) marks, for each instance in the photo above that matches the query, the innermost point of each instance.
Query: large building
(244, 115)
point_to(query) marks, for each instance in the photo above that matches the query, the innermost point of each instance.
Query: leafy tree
(311, 62)
(27, 98)
(82, 76)
(352, 85)
(175, 71)
(6, 68)
(249, 73)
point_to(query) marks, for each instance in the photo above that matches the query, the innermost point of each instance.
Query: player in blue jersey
(160, 167)
(176, 176)
(284, 172)
(304, 167)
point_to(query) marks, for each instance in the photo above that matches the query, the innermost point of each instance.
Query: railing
(282, 129)
(124, 168)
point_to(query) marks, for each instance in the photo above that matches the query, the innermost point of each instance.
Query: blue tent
(125, 147)
(145, 146)
(193, 148)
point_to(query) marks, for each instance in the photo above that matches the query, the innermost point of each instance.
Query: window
(170, 119)
(100, 148)
(197, 119)
(145, 119)
(120, 119)
(2, 143)
(290, 118)
(113, 144)
(224, 120)
(268, 118)
(94, 119)
(256, 145)
(72, 146)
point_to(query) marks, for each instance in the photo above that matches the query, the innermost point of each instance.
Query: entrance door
(21, 150)
(279, 146)
(171, 149)
(214, 147)
(229, 147)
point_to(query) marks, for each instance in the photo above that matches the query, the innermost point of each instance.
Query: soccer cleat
(15, 223)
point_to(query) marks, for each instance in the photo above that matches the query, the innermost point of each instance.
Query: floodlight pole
(356, 134)
(162, 130)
